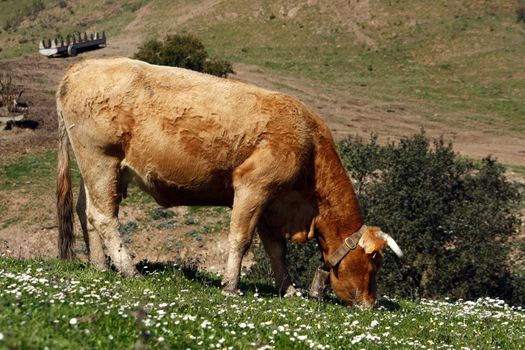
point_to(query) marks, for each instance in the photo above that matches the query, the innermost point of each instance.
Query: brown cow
(188, 138)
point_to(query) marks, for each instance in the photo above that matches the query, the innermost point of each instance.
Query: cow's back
(176, 126)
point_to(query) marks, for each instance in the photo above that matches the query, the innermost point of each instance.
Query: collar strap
(349, 244)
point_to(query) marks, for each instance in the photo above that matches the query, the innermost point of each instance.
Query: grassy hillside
(453, 61)
(62, 305)
(465, 60)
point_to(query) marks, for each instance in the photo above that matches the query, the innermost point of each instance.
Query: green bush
(451, 216)
(220, 68)
(184, 51)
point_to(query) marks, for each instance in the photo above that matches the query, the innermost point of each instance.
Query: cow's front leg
(247, 207)
(252, 184)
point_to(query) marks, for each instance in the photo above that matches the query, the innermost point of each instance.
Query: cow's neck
(339, 212)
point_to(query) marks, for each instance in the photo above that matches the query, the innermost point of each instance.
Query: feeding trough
(72, 44)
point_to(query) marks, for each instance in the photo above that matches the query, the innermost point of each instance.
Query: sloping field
(391, 68)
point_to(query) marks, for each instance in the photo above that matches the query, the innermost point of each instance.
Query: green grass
(11, 221)
(35, 174)
(37, 170)
(26, 185)
(518, 169)
(63, 305)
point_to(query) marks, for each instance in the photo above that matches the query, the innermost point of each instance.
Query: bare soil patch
(28, 230)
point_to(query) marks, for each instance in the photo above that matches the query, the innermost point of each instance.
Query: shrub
(220, 68)
(451, 216)
(184, 51)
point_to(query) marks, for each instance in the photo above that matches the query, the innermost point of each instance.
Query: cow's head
(353, 279)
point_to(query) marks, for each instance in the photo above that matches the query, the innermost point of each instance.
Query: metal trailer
(73, 44)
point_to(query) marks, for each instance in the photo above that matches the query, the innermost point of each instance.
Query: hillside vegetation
(452, 61)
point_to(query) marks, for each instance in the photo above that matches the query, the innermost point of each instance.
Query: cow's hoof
(231, 293)
(292, 292)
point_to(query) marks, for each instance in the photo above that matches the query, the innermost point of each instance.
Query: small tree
(184, 51)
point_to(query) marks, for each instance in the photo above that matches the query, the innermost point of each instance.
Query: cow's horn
(391, 243)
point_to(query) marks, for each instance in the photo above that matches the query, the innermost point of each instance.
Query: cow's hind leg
(275, 247)
(91, 237)
(101, 177)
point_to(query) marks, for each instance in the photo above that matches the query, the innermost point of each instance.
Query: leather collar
(349, 244)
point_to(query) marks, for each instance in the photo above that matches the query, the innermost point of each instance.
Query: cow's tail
(64, 194)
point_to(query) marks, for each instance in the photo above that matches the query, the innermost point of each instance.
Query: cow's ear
(371, 242)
